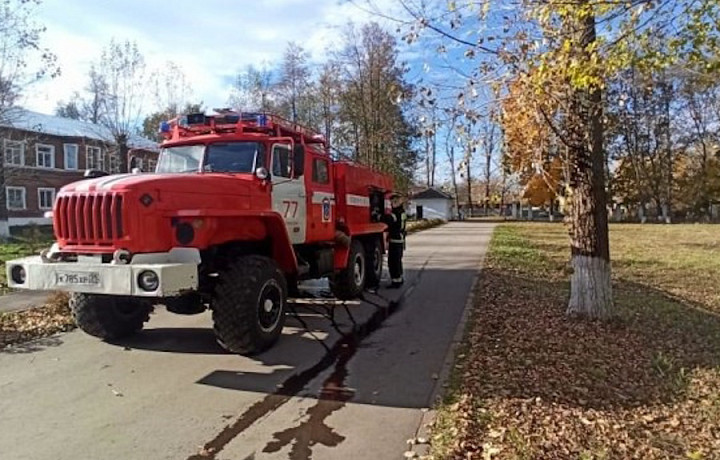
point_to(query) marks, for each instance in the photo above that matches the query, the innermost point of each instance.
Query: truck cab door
(321, 199)
(288, 192)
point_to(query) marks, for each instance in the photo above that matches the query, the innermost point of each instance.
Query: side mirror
(299, 160)
(262, 173)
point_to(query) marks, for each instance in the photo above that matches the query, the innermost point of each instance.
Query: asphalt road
(346, 381)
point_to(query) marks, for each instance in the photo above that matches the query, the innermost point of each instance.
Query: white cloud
(210, 40)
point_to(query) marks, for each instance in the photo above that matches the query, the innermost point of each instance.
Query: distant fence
(514, 211)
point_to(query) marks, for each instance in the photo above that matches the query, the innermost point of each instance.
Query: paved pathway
(350, 381)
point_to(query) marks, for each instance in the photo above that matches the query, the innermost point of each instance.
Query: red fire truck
(240, 208)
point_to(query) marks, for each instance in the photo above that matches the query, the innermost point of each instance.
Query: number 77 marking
(290, 205)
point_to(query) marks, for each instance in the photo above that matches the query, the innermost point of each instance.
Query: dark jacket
(395, 221)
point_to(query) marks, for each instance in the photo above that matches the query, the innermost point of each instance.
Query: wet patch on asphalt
(333, 395)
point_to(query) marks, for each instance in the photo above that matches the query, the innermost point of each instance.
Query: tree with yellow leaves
(566, 51)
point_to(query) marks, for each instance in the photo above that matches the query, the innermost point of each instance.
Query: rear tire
(374, 269)
(248, 305)
(349, 283)
(109, 317)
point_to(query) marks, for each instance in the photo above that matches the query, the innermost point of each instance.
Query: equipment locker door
(288, 193)
(321, 207)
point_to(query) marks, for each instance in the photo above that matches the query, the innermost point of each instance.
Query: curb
(428, 417)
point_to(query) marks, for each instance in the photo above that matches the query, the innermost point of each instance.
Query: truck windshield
(234, 157)
(183, 158)
(229, 157)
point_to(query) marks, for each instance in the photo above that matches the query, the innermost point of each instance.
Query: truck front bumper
(162, 279)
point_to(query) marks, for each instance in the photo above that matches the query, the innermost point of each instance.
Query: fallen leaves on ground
(535, 384)
(21, 326)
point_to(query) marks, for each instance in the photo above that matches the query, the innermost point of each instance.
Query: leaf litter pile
(531, 383)
(21, 326)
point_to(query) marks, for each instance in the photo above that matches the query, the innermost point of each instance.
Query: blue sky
(213, 40)
(210, 40)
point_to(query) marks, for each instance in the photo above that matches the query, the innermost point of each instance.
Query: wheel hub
(269, 306)
(358, 271)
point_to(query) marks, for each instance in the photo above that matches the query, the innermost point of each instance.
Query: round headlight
(148, 281)
(122, 257)
(18, 274)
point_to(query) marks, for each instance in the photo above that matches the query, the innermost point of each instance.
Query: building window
(71, 156)
(46, 198)
(320, 171)
(14, 153)
(94, 158)
(15, 198)
(45, 155)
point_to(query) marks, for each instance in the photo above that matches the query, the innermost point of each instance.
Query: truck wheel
(109, 317)
(373, 271)
(248, 305)
(349, 283)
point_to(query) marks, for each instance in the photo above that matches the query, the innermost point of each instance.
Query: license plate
(77, 278)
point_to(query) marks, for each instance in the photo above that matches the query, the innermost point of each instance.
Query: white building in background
(432, 204)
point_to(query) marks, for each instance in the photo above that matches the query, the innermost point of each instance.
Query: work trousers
(395, 255)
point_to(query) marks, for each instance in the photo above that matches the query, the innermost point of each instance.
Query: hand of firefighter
(388, 218)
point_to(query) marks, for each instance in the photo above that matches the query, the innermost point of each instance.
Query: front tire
(349, 283)
(109, 317)
(248, 305)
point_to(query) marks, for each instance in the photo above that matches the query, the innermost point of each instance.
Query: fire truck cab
(240, 208)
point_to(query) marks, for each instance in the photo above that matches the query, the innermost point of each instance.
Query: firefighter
(395, 221)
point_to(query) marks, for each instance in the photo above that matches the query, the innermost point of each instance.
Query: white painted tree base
(666, 214)
(590, 287)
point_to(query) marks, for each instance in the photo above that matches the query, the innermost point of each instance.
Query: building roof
(36, 122)
(430, 194)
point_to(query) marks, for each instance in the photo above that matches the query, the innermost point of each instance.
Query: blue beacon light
(164, 127)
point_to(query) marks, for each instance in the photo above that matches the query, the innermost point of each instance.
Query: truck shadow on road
(321, 373)
(339, 330)
(308, 320)
(314, 359)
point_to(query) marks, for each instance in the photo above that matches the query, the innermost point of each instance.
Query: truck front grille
(89, 218)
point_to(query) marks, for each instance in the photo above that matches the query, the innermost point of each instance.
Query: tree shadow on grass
(525, 346)
(645, 384)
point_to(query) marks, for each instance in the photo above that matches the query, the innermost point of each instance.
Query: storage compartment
(377, 205)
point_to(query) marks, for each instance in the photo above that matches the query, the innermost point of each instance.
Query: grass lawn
(531, 383)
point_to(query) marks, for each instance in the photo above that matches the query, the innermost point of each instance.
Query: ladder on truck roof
(227, 121)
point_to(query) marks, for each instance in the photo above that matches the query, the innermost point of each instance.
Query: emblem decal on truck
(326, 210)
